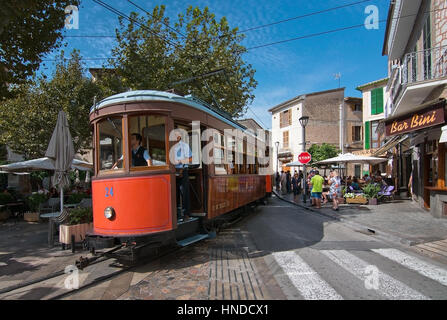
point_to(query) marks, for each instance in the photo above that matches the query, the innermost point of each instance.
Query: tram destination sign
(425, 118)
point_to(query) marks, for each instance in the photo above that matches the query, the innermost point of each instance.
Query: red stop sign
(304, 157)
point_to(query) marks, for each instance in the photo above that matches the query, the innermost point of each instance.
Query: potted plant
(79, 222)
(34, 201)
(371, 192)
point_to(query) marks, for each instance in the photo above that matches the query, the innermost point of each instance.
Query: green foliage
(27, 121)
(76, 198)
(143, 60)
(80, 215)
(35, 200)
(6, 198)
(322, 152)
(28, 30)
(371, 190)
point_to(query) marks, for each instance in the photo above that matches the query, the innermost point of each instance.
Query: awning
(394, 141)
(43, 164)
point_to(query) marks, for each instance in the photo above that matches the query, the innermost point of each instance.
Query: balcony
(420, 73)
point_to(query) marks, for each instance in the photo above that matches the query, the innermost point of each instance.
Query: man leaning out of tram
(140, 155)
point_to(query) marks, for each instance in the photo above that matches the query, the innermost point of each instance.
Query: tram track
(101, 258)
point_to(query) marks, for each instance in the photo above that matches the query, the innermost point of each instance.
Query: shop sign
(426, 118)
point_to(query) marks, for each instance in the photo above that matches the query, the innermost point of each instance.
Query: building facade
(326, 110)
(375, 96)
(416, 47)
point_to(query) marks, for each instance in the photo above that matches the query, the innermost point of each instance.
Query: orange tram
(138, 191)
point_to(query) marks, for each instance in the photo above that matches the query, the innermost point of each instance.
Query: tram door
(196, 177)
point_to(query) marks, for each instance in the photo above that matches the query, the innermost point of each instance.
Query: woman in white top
(334, 189)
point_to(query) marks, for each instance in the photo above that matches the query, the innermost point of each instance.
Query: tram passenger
(182, 156)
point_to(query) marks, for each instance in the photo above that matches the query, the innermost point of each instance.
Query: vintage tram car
(138, 206)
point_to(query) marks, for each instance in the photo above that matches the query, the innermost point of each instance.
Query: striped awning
(394, 141)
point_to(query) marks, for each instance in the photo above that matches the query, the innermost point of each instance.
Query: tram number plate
(109, 192)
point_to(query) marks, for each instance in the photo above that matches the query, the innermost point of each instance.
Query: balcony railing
(426, 65)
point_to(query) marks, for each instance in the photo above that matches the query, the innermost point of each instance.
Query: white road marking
(388, 286)
(310, 285)
(424, 268)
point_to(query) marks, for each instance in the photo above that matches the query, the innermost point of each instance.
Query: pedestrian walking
(283, 182)
(288, 182)
(278, 181)
(295, 184)
(317, 189)
(334, 189)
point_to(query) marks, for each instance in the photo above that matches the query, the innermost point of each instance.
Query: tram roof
(152, 95)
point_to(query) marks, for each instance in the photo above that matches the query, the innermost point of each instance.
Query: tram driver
(182, 156)
(140, 155)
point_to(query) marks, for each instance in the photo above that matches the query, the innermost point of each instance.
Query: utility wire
(303, 16)
(167, 25)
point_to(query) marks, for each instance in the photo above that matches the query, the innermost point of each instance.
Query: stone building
(324, 109)
(416, 46)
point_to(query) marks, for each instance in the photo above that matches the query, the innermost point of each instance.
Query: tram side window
(110, 144)
(147, 139)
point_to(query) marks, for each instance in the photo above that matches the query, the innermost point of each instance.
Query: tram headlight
(109, 213)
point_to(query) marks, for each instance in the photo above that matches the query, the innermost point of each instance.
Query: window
(358, 107)
(147, 141)
(285, 139)
(377, 101)
(110, 133)
(285, 118)
(358, 170)
(375, 139)
(356, 133)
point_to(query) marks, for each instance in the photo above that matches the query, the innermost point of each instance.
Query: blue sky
(283, 71)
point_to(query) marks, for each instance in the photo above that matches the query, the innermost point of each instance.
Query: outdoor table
(51, 216)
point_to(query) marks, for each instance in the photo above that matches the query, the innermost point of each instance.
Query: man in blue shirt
(182, 157)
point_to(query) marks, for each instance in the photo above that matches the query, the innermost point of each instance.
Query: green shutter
(367, 135)
(376, 101)
(379, 102)
(373, 102)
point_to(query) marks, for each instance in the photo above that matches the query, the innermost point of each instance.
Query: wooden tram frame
(220, 194)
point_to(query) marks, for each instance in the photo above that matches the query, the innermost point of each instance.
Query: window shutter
(367, 135)
(379, 102)
(353, 133)
(373, 102)
(290, 117)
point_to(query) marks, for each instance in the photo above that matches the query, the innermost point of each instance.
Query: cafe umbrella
(352, 158)
(61, 150)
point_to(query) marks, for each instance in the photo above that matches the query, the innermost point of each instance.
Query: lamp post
(304, 121)
(277, 160)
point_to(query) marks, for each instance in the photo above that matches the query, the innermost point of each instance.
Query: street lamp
(304, 121)
(277, 160)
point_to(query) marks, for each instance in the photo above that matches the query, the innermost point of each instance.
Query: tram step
(190, 240)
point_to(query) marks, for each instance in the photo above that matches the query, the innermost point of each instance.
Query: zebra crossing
(393, 275)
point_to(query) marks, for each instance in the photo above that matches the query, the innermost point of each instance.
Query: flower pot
(372, 202)
(78, 230)
(31, 216)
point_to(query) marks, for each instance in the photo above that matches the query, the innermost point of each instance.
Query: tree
(28, 120)
(322, 152)
(28, 30)
(152, 54)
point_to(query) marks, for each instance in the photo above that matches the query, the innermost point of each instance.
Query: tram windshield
(110, 143)
(147, 139)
